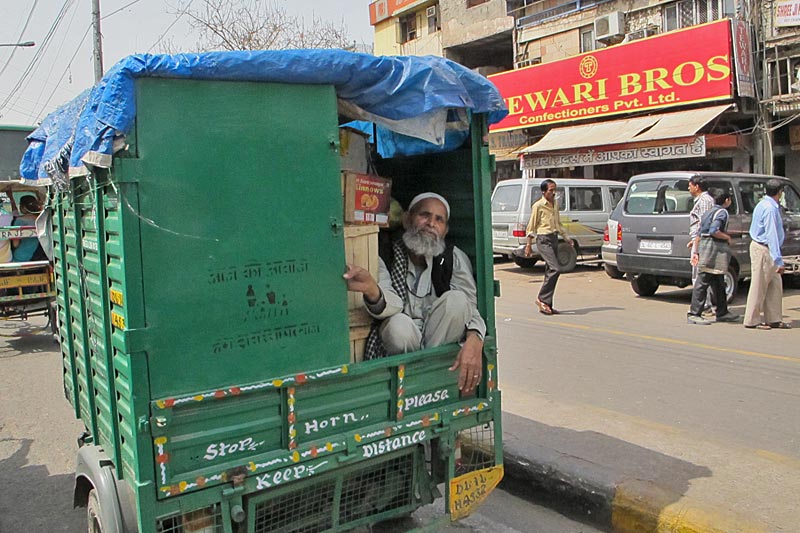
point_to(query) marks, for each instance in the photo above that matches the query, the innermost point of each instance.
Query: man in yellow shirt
(545, 224)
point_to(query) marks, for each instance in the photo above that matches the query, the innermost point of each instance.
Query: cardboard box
(367, 199)
(354, 150)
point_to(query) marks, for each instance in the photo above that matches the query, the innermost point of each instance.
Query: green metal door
(240, 210)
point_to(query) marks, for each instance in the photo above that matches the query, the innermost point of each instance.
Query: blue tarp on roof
(389, 90)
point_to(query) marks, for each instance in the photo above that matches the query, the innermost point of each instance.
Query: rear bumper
(659, 266)
(507, 248)
(609, 255)
(519, 251)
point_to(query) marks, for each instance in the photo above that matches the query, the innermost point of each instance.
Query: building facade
(607, 89)
(779, 23)
(476, 33)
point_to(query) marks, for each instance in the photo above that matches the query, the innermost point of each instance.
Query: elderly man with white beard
(426, 296)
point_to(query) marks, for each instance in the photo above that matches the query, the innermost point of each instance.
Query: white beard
(423, 243)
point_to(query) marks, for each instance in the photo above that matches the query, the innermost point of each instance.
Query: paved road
(38, 443)
(709, 405)
(37, 435)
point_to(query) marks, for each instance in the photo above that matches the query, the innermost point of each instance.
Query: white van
(584, 206)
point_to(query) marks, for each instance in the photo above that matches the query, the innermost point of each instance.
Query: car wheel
(524, 262)
(644, 285)
(731, 283)
(567, 257)
(613, 272)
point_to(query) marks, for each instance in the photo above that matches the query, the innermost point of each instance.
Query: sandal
(779, 325)
(760, 326)
(543, 307)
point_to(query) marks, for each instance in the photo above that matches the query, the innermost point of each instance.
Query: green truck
(203, 316)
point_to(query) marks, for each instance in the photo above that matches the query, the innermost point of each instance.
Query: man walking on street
(714, 259)
(545, 225)
(766, 263)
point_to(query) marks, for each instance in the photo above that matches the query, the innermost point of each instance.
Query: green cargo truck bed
(204, 323)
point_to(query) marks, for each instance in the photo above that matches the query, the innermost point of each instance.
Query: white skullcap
(424, 196)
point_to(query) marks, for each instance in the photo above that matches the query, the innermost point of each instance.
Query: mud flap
(468, 491)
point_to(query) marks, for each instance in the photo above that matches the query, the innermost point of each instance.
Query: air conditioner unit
(610, 28)
(430, 12)
(649, 31)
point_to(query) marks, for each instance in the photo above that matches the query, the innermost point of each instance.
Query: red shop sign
(677, 68)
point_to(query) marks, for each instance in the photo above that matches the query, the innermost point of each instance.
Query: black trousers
(704, 281)
(547, 246)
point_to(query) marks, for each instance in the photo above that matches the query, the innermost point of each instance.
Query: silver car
(584, 206)
(655, 226)
(612, 243)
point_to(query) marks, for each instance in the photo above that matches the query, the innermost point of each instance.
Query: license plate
(500, 234)
(17, 233)
(655, 246)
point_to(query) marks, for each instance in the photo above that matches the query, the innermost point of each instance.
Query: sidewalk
(627, 479)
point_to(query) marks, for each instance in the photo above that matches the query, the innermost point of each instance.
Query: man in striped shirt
(698, 187)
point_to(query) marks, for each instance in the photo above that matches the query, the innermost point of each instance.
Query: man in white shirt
(427, 296)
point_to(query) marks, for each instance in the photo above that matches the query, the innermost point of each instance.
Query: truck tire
(94, 513)
(644, 285)
(567, 257)
(613, 272)
(524, 262)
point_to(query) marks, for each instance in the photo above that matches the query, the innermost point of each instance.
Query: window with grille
(433, 19)
(408, 28)
(587, 39)
(692, 12)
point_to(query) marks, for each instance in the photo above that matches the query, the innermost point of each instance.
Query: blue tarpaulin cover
(404, 95)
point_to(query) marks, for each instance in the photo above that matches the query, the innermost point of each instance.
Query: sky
(35, 81)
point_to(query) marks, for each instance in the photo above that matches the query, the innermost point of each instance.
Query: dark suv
(655, 226)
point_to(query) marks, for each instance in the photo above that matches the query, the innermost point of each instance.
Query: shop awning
(629, 130)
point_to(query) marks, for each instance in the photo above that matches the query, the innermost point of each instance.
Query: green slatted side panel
(115, 273)
(59, 266)
(94, 311)
(74, 299)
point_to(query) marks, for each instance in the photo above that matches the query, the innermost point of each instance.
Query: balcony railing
(535, 13)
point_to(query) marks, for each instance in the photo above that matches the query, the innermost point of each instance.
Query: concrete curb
(601, 494)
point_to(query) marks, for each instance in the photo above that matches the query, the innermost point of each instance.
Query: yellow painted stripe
(664, 340)
(778, 458)
(640, 505)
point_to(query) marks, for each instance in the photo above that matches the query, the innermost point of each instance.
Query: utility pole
(98, 41)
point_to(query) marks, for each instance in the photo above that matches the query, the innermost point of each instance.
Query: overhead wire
(19, 38)
(43, 109)
(69, 65)
(126, 6)
(164, 33)
(39, 53)
(53, 64)
(12, 99)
